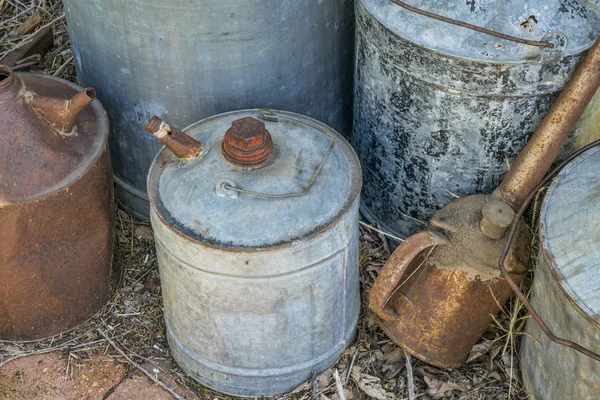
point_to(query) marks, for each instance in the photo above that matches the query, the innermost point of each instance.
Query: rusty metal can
(56, 206)
(256, 227)
(565, 288)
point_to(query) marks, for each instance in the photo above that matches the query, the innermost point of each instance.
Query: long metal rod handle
(512, 283)
(476, 28)
(269, 115)
(537, 157)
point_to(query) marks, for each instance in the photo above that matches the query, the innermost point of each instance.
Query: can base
(132, 199)
(244, 382)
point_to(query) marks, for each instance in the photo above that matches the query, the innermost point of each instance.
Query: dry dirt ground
(83, 364)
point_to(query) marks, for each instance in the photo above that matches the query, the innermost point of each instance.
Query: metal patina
(56, 206)
(442, 111)
(565, 289)
(185, 60)
(441, 288)
(259, 265)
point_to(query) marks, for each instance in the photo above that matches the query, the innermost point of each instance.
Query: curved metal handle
(227, 188)
(388, 281)
(538, 43)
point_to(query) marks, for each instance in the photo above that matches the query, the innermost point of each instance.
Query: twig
(339, 386)
(351, 365)
(409, 377)
(148, 374)
(315, 386)
(379, 231)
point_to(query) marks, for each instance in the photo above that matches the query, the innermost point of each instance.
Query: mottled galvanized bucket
(259, 291)
(185, 60)
(565, 289)
(441, 111)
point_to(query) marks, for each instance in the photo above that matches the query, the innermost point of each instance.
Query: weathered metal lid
(579, 20)
(49, 135)
(198, 199)
(570, 231)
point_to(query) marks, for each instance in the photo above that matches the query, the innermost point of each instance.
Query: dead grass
(373, 367)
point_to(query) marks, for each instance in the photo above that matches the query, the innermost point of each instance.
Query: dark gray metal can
(442, 111)
(185, 60)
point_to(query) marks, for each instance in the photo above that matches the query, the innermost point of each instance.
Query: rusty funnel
(440, 289)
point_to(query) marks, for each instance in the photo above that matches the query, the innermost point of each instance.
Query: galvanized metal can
(56, 206)
(442, 111)
(185, 60)
(565, 288)
(258, 249)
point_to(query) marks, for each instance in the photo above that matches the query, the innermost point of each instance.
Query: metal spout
(59, 113)
(536, 159)
(181, 144)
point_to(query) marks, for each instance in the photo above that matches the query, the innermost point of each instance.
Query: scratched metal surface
(565, 290)
(186, 60)
(264, 291)
(441, 113)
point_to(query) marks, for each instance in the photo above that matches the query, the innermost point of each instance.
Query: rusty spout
(61, 114)
(536, 159)
(181, 144)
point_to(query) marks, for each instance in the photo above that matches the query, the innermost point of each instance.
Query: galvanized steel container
(441, 111)
(565, 290)
(185, 60)
(258, 291)
(56, 206)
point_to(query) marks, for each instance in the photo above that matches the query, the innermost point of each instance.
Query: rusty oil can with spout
(440, 289)
(56, 206)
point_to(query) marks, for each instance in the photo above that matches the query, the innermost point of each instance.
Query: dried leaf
(370, 385)
(480, 349)
(440, 389)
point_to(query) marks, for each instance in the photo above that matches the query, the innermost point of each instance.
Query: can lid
(570, 231)
(267, 180)
(36, 159)
(579, 21)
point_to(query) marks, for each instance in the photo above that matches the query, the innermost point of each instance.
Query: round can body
(259, 292)
(57, 216)
(565, 288)
(441, 111)
(186, 60)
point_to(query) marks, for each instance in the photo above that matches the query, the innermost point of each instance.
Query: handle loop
(388, 281)
(537, 43)
(229, 188)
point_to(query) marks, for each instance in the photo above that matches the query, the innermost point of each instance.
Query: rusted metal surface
(56, 207)
(259, 292)
(247, 143)
(536, 158)
(445, 284)
(39, 43)
(181, 145)
(565, 288)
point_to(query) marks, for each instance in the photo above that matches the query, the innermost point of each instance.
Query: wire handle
(537, 318)
(227, 188)
(538, 43)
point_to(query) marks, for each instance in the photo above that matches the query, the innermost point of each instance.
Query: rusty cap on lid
(247, 143)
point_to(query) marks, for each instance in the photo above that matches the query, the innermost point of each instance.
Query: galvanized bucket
(442, 111)
(256, 227)
(565, 290)
(185, 60)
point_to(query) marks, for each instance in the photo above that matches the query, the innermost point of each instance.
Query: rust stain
(247, 143)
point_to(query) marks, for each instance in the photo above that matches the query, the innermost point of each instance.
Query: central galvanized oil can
(442, 111)
(256, 226)
(565, 289)
(185, 60)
